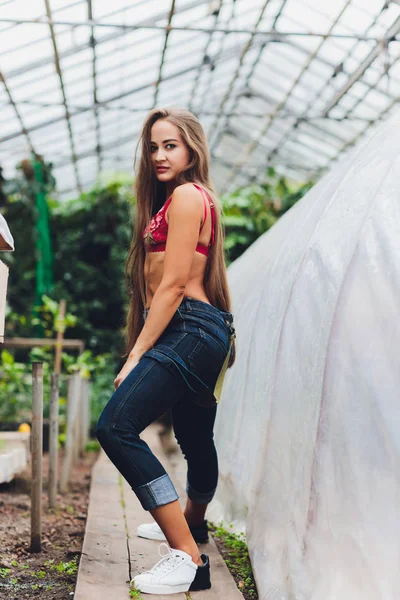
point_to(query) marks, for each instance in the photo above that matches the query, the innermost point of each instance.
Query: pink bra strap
(168, 202)
(205, 195)
(212, 224)
(205, 214)
(205, 211)
(212, 210)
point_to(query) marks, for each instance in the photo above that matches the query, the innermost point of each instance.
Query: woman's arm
(184, 218)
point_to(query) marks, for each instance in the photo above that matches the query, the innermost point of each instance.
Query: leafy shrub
(16, 377)
(90, 240)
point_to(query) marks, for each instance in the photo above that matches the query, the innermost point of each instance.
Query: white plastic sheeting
(6, 243)
(308, 430)
(6, 239)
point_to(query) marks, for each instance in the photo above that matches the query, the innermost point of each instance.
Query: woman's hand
(130, 364)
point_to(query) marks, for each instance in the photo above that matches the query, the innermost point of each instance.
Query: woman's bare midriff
(153, 268)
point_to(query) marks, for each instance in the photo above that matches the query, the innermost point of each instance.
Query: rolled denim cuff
(199, 497)
(156, 493)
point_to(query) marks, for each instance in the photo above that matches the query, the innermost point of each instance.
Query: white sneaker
(150, 531)
(174, 573)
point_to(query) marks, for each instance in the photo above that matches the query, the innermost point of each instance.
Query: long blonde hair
(150, 196)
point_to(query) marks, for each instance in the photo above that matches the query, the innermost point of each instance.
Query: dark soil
(50, 574)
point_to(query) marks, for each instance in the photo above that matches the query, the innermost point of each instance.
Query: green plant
(135, 594)
(251, 210)
(236, 558)
(62, 438)
(48, 318)
(4, 572)
(16, 386)
(14, 382)
(49, 562)
(69, 568)
(92, 446)
(90, 237)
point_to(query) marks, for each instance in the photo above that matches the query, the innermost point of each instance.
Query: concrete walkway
(112, 553)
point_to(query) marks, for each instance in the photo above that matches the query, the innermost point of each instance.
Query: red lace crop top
(155, 234)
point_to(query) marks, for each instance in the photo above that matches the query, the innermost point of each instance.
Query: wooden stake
(77, 427)
(60, 336)
(73, 407)
(85, 415)
(37, 448)
(53, 441)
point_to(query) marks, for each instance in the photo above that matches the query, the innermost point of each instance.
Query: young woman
(180, 340)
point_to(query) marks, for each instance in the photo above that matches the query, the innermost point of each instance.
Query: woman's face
(169, 153)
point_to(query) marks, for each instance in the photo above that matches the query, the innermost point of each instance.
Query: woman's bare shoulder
(186, 194)
(189, 188)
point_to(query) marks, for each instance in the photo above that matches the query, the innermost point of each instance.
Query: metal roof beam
(276, 87)
(367, 62)
(59, 73)
(318, 95)
(325, 114)
(304, 117)
(94, 79)
(24, 130)
(105, 106)
(206, 58)
(106, 146)
(84, 46)
(236, 113)
(244, 139)
(279, 13)
(320, 135)
(226, 56)
(235, 77)
(43, 39)
(277, 35)
(228, 166)
(116, 143)
(99, 71)
(213, 59)
(354, 140)
(167, 32)
(363, 98)
(248, 77)
(264, 129)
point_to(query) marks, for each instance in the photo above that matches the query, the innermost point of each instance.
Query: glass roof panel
(311, 74)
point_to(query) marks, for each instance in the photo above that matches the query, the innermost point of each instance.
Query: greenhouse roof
(288, 83)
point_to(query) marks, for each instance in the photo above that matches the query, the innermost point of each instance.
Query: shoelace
(167, 562)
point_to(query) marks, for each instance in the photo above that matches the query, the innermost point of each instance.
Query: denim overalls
(199, 364)
(183, 372)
